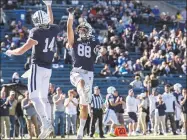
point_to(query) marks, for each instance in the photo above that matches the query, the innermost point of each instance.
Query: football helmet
(111, 90)
(84, 30)
(177, 87)
(40, 18)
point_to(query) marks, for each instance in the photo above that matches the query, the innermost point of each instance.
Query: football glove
(47, 2)
(71, 10)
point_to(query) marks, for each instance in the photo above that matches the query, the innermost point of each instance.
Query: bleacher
(60, 76)
(179, 4)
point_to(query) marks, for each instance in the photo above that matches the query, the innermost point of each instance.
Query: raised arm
(49, 10)
(70, 33)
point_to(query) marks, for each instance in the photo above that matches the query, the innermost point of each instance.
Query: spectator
(136, 84)
(3, 47)
(124, 69)
(156, 11)
(105, 71)
(30, 115)
(102, 58)
(58, 101)
(4, 115)
(184, 66)
(169, 100)
(12, 113)
(96, 112)
(116, 73)
(137, 68)
(70, 105)
(56, 58)
(154, 81)
(12, 46)
(50, 98)
(15, 78)
(152, 106)
(112, 58)
(160, 115)
(131, 110)
(21, 120)
(143, 112)
(147, 82)
(184, 110)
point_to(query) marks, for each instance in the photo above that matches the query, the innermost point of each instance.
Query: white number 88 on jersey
(84, 50)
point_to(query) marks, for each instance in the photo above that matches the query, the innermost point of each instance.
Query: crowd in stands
(163, 53)
(147, 113)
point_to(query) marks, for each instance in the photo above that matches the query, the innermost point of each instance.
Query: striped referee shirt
(96, 102)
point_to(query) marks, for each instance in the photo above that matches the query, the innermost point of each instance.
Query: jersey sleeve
(57, 29)
(33, 34)
(111, 99)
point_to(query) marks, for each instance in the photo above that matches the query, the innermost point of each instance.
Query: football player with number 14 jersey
(42, 40)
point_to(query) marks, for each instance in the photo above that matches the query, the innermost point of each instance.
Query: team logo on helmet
(40, 18)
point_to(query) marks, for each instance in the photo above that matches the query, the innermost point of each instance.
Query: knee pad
(83, 112)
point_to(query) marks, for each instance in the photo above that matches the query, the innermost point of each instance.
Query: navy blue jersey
(43, 52)
(83, 54)
(111, 98)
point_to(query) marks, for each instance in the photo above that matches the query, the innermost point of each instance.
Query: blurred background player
(82, 47)
(42, 40)
(110, 113)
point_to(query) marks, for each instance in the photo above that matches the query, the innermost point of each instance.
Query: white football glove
(8, 53)
(47, 2)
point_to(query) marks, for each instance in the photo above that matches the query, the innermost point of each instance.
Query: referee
(96, 111)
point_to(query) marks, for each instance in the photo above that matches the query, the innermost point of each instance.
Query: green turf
(152, 137)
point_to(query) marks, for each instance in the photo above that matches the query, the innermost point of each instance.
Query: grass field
(139, 137)
(152, 137)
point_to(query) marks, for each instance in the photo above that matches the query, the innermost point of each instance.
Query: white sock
(81, 127)
(112, 130)
(47, 108)
(40, 110)
(80, 92)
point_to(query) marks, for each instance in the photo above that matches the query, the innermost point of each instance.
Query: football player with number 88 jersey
(42, 40)
(82, 47)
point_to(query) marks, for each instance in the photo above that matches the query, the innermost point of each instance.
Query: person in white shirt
(131, 108)
(152, 107)
(70, 105)
(137, 83)
(143, 111)
(169, 100)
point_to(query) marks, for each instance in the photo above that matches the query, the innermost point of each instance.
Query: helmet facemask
(84, 30)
